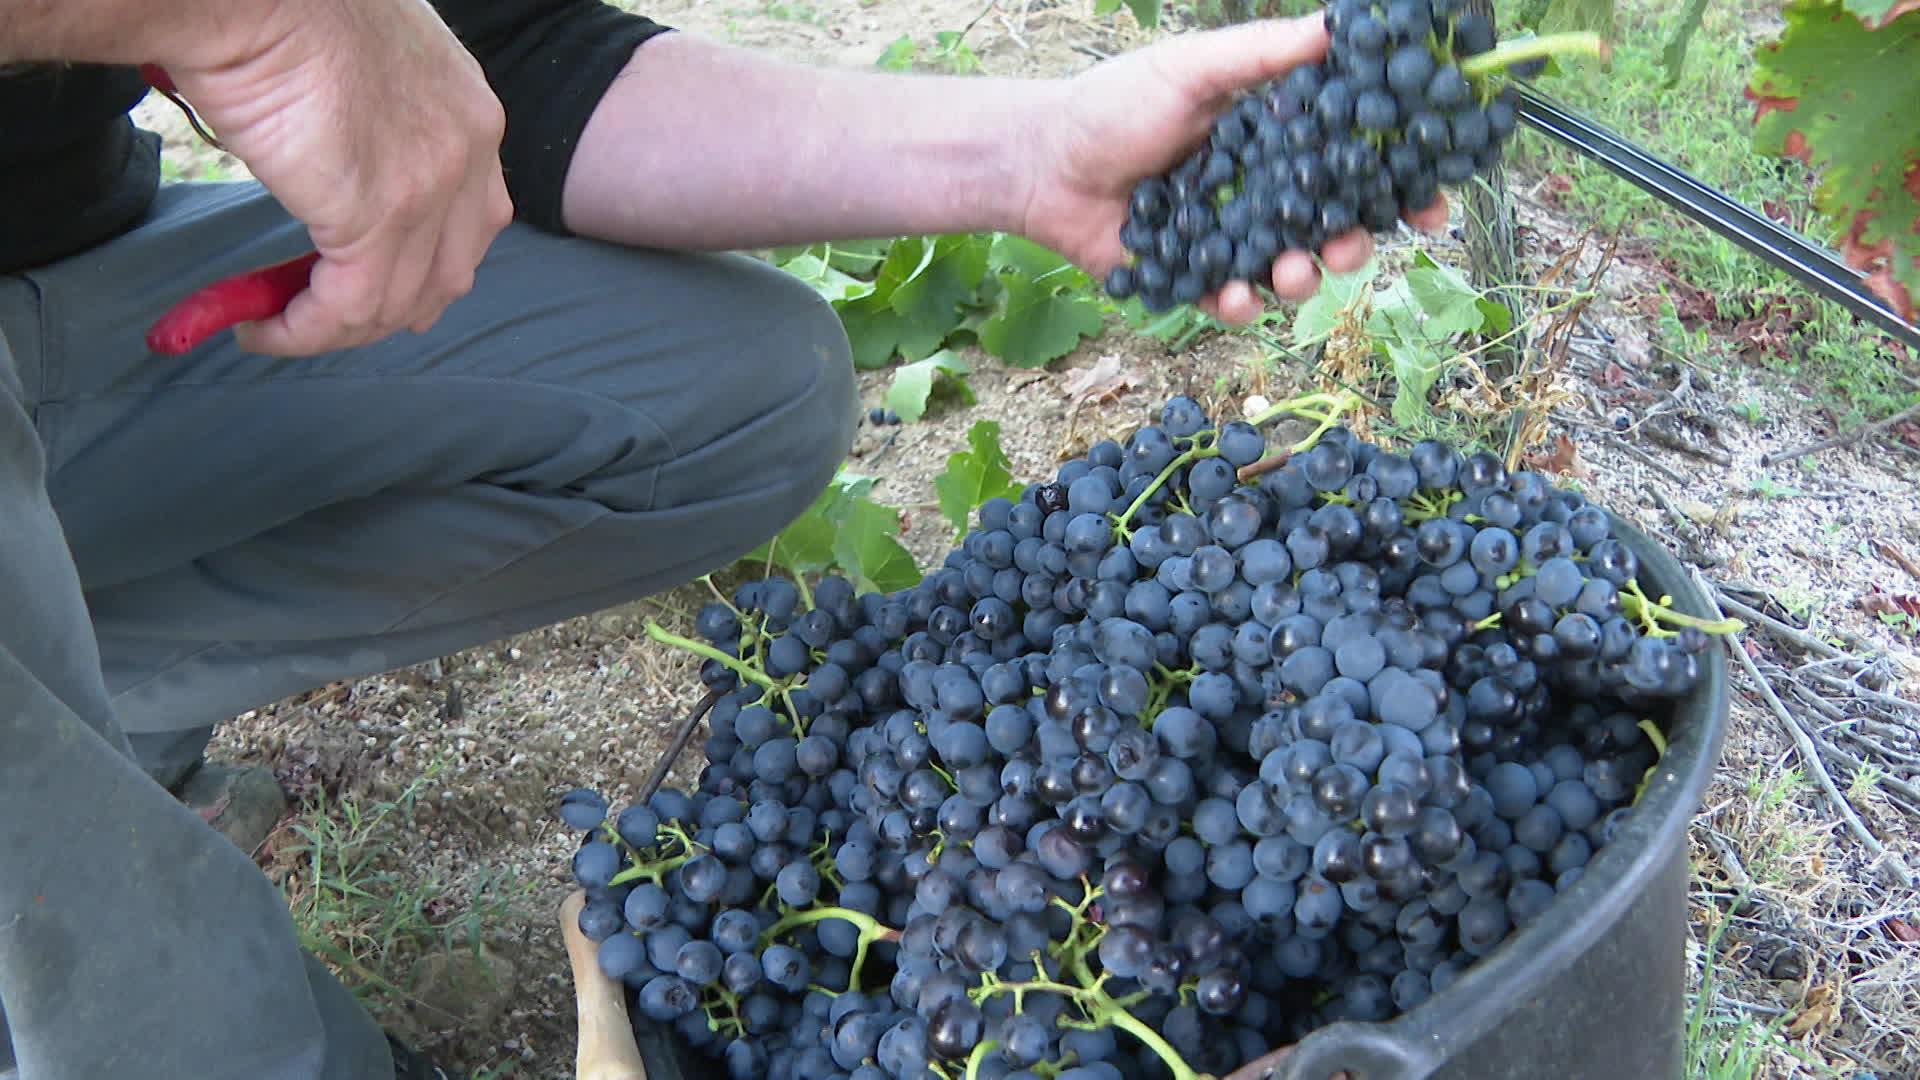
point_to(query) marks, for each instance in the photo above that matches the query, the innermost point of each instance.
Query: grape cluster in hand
(1161, 769)
(1356, 141)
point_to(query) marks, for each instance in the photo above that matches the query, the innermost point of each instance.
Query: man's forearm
(210, 32)
(704, 146)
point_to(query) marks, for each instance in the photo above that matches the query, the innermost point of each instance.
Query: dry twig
(1775, 626)
(1894, 555)
(1649, 461)
(1811, 758)
(1844, 438)
(1673, 440)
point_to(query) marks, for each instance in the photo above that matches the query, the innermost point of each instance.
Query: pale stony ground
(505, 726)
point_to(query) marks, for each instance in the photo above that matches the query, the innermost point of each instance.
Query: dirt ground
(508, 725)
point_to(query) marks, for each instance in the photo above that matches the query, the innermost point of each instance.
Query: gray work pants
(184, 539)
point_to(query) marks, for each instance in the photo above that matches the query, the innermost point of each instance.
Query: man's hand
(1141, 114)
(374, 126)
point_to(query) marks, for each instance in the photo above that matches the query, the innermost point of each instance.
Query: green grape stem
(1087, 991)
(798, 725)
(1205, 443)
(1160, 687)
(1426, 505)
(870, 929)
(944, 775)
(1654, 736)
(1335, 405)
(725, 600)
(1520, 50)
(1652, 614)
(653, 869)
(980, 1051)
(699, 648)
(822, 858)
(1101, 1011)
(1201, 448)
(1659, 741)
(727, 1002)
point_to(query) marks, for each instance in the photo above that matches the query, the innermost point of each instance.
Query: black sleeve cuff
(549, 62)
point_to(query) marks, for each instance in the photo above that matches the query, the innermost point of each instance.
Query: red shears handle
(249, 297)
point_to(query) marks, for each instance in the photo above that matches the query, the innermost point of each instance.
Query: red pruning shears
(249, 297)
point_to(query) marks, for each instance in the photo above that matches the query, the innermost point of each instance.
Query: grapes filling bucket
(1595, 989)
(1592, 987)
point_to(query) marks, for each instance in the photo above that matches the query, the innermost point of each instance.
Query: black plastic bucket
(1594, 989)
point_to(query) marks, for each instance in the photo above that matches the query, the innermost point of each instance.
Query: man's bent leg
(134, 940)
(591, 424)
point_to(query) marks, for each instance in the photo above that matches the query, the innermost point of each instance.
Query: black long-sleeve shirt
(76, 171)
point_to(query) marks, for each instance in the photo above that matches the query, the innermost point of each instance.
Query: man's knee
(786, 406)
(829, 412)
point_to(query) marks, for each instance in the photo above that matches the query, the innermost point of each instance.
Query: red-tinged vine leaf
(974, 475)
(1839, 94)
(1878, 13)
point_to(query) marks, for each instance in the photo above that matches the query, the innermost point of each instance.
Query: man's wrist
(1026, 153)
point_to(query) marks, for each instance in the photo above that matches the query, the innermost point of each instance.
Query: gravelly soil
(507, 725)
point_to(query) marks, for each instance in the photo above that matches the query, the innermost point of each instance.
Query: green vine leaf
(974, 475)
(1674, 56)
(914, 384)
(902, 315)
(1415, 369)
(1145, 12)
(1320, 313)
(947, 275)
(1575, 16)
(835, 285)
(1038, 324)
(868, 549)
(820, 538)
(1047, 305)
(805, 546)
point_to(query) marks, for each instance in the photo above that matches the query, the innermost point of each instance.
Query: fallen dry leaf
(1104, 381)
(1613, 376)
(1821, 1010)
(1902, 930)
(1879, 602)
(1696, 511)
(1563, 458)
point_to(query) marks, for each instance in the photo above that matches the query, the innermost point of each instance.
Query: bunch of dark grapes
(1356, 141)
(1162, 768)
